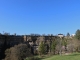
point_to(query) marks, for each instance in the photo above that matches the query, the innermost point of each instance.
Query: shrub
(18, 52)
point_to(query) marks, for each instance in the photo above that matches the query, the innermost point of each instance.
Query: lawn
(74, 56)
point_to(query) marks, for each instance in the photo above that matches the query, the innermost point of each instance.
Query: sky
(39, 16)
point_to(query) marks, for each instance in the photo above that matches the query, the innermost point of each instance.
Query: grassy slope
(75, 56)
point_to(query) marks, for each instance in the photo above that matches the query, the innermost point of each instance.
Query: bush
(18, 52)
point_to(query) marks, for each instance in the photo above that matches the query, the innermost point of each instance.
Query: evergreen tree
(77, 35)
(53, 46)
(68, 34)
(42, 49)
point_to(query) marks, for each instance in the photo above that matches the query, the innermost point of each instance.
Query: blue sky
(39, 16)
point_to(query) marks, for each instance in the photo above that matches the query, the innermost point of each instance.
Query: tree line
(66, 44)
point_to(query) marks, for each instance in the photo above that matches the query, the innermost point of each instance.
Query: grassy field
(74, 56)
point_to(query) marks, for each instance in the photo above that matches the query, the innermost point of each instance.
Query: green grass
(74, 56)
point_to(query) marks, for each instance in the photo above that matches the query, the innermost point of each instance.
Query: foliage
(53, 46)
(73, 45)
(77, 35)
(64, 42)
(42, 48)
(68, 34)
(17, 52)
